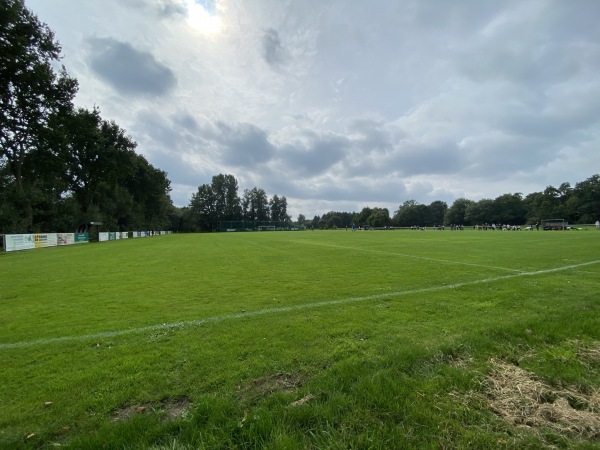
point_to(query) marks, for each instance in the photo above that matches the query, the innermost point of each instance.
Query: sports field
(324, 339)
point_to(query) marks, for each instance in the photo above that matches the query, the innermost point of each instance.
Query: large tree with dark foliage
(278, 207)
(215, 202)
(59, 166)
(255, 205)
(31, 92)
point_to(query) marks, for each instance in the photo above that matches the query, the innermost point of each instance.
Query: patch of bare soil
(268, 385)
(524, 400)
(170, 409)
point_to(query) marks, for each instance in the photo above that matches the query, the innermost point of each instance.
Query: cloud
(316, 155)
(344, 104)
(130, 71)
(273, 52)
(242, 145)
(169, 8)
(164, 9)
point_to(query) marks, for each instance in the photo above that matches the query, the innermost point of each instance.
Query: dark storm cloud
(273, 52)
(128, 70)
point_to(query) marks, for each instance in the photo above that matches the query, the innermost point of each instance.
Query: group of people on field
(493, 226)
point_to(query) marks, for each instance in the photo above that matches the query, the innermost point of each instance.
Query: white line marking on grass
(445, 261)
(283, 309)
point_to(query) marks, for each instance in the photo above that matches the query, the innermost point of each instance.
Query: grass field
(339, 339)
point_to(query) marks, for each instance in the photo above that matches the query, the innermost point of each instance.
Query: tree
(588, 195)
(411, 213)
(360, 219)
(436, 213)
(532, 203)
(107, 179)
(301, 219)
(315, 222)
(379, 217)
(202, 209)
(98, 154)
(331, 220)
(143, 196)
(508, 209)
(227, 201)
(278, 206)
(216, 202)
(30, 93)
(480, 212)
(455, 215)
(255, 205)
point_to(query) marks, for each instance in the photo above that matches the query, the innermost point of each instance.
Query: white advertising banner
(42, 240)
(65, 238)
(103, 236)
(52, 239)
(13, 242)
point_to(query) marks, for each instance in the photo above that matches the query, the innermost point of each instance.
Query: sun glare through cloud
(202, 20)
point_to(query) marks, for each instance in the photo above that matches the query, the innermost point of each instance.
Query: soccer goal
(266, 228)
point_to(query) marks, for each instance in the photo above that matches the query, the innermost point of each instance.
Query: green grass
(386, 338)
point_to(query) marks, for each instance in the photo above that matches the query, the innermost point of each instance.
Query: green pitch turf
(339, 339)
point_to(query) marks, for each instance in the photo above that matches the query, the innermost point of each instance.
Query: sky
(342, 104)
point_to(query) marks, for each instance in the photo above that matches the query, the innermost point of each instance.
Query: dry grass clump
(589, 354)
(522, 399)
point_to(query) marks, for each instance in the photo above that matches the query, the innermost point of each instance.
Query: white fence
(15, 242)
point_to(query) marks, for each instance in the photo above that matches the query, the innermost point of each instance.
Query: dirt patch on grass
(169, 409)
(524, 400)
(268, 385)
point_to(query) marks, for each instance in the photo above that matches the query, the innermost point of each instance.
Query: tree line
(577, 205)
(61, 166)
(219, 201)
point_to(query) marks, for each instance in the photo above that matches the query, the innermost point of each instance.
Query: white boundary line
(283, 309)
(445, 261)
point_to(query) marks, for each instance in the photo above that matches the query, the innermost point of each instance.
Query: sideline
(284, 309)
(425, 258)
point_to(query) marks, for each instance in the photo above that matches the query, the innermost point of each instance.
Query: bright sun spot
(202, 21)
